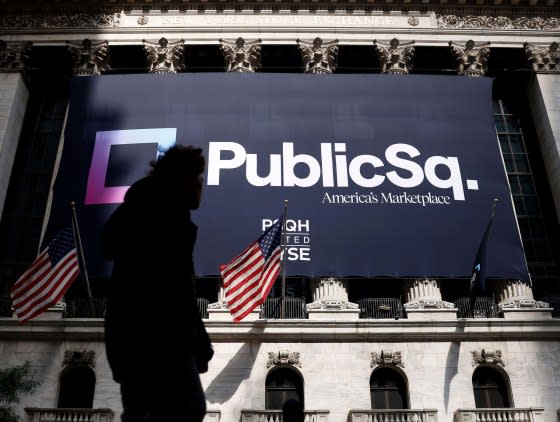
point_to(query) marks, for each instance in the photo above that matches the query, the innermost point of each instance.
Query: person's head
(181, 168)
(292, 411)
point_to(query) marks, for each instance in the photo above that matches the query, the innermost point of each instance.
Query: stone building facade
(407, 343)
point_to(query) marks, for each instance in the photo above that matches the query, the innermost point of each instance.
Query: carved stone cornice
(283, 357)
(164, 57)
(472, 60)
(14, 56)
(395, 58)
(319, 57)
(545, 59)
(81, 20)
(487, 356)
(241, 55)
(386, 357)
(497, 22)
(79, 357)
(89, 58)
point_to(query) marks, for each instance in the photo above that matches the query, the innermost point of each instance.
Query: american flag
(249, 277)
(48, 278)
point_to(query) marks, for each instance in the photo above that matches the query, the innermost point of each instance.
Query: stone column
(319, 57)
(423, 301)
(516, 301)
(330, 300)
(13, 103)
(89, 59)
(544, 98)
(241, 55)
(472, 59)
(164, 57)
(395, 58)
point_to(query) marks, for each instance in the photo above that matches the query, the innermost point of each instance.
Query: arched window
(491, 388)
(283, 384)
(77, 387)
(388, 389)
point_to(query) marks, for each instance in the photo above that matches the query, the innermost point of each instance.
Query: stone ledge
(394, 331)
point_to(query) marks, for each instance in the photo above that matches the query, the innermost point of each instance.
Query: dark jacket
(152, 323)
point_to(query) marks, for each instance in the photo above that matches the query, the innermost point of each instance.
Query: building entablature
(328, 331)
(429, 27)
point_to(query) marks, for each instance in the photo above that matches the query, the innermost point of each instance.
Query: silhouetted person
(155, 340)
(292, 411)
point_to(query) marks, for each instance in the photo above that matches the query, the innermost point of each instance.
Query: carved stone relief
(545, 59)
(386, 357)
(14, 56)
(487, 356)
(283, 357)
(241, 55)
(79, 357)
(497, 22)
(82, 20)
(163, 56)
(472, 59)
(319, 56)
(395, 58)
(89, 59)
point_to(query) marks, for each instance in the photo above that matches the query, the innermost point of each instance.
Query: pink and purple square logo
(97, 192)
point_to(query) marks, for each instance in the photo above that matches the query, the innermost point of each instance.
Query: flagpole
(494, 206)
(284, 257)
(78, 239)
(472, 300)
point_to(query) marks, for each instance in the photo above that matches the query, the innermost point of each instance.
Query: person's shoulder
(146, 186)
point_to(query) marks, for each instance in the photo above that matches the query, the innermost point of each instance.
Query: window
(388, 389)
(533, 223)
(490, 388)
(283, 384)
(77, 386)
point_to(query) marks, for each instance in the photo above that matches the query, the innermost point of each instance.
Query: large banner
(384, 175)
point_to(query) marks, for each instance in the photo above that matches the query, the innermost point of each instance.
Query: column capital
(241, 55)
(89, 59)
(163, 56)
(472, 59)
(319, 56)
(544, 58)
(14, 56)
(395, 58)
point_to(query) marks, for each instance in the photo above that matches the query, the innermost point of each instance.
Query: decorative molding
(319, 57)
(89, 59)
(163, 56)
(14, 56)
(220, 304)
(497, 22)
(330, 304)
(81, 20)
(283, 357)
(429, 304)
(79, 357)
(487, 356)
(241, 55)
(545, 59)
(525, 304)
(142, 20)
(386, 357)
(472, 60)
(395, 58)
